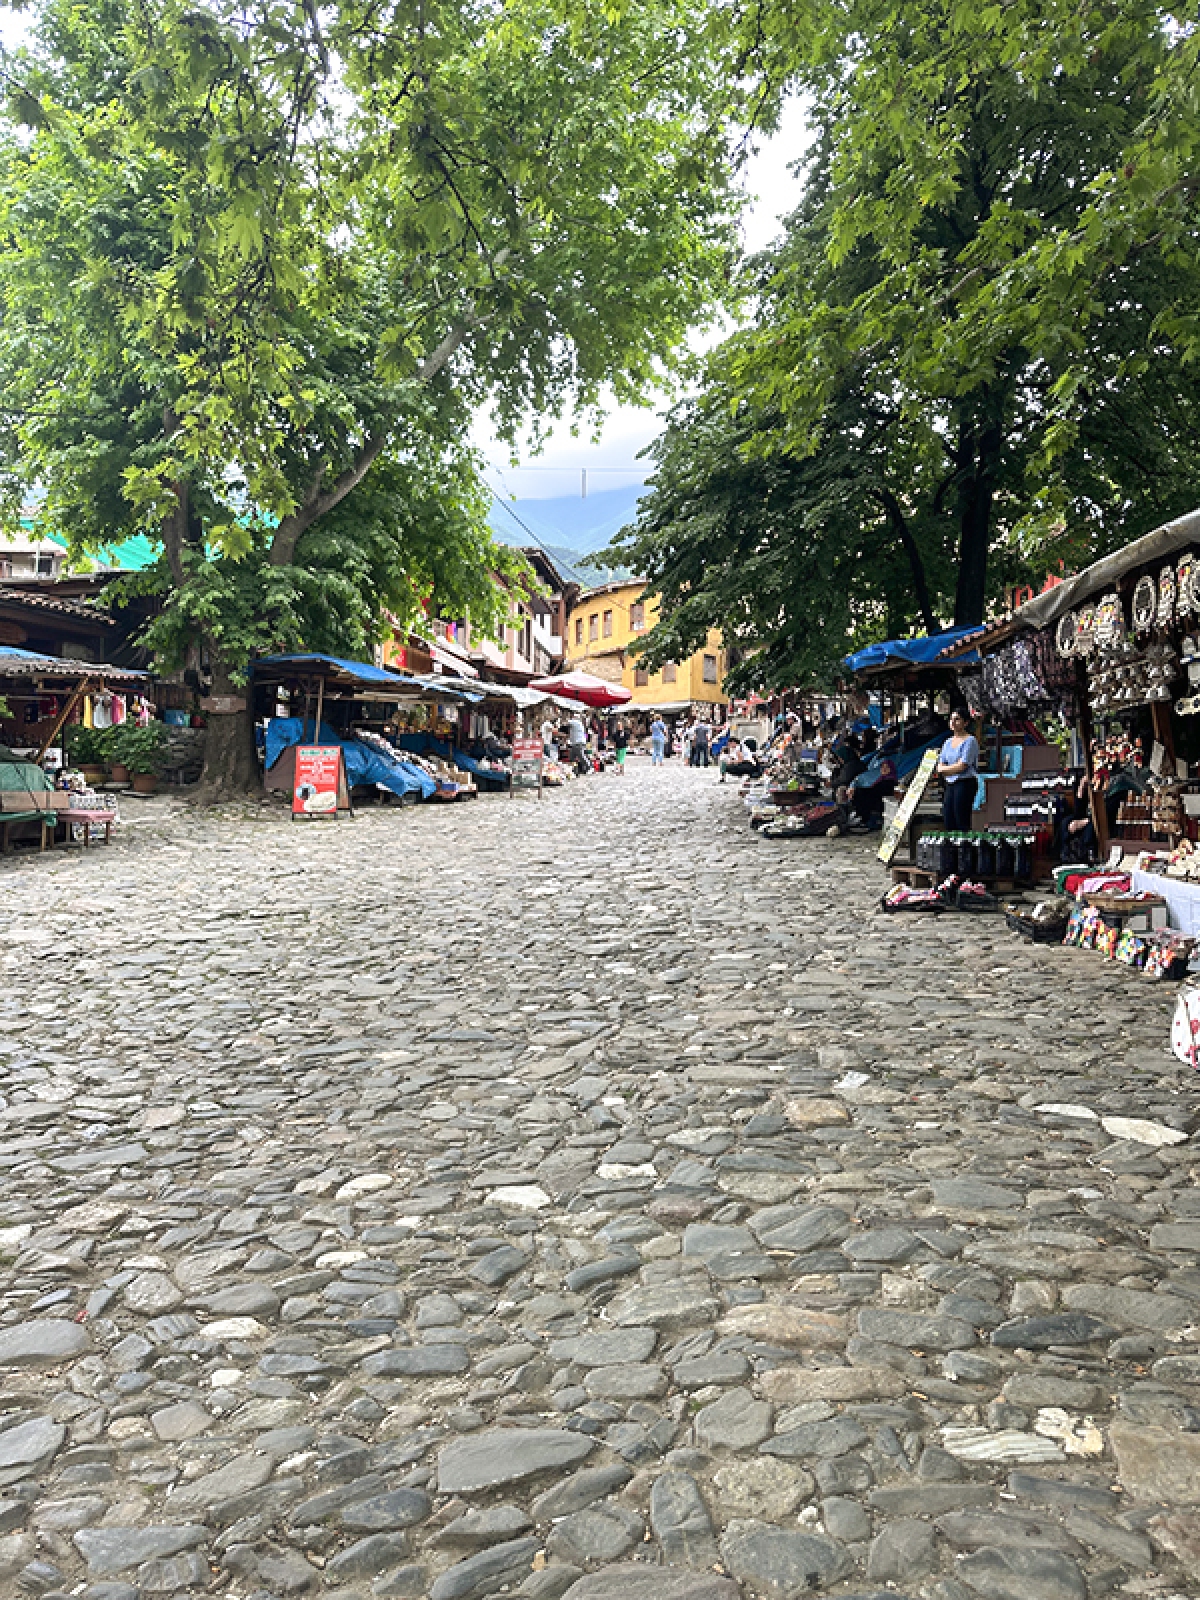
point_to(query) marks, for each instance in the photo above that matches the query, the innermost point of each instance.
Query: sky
(610, 460)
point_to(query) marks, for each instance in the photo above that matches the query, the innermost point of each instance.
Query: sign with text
(527, 765)
(319, 783)
(913, 796)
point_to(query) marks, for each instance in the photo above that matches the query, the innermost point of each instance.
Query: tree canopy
(258, 262)
(970, 357)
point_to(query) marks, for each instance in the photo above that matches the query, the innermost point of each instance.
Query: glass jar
(1006, 859)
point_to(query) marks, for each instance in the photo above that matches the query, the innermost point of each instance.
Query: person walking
(658, 742)
(685, 743)
(700, 744)
(958, 767)
(576, 740)
(620, 739)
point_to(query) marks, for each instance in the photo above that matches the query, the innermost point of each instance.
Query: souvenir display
(1064, 634)
(1185, 600)
(1085, 630)
(1145, 604)
(1194, 587)
(1110, 620)
(1166, 597)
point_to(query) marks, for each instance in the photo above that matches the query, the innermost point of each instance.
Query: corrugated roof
(50, 602)
(16, 663)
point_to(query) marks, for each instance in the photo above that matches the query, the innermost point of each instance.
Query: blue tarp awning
(362, 671)
(915, 652)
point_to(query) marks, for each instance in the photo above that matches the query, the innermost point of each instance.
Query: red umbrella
(583, 686)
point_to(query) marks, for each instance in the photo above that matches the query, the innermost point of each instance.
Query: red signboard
(527, 749)
(317, 781)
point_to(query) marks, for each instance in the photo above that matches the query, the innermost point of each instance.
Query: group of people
(584, 741)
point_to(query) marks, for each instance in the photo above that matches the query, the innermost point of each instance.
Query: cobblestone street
(579, 1196)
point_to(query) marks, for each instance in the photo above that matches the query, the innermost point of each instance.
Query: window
(608, 624)
(710, 669)
(45, 566)
(637, 616)
(640, 677)
(593, 626)
(578, 630)
(670, 672)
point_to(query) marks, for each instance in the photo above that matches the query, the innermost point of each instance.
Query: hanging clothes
(118, 710)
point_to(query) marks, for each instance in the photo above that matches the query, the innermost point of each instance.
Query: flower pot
(93, 774)
(119, 773)
(144, 782)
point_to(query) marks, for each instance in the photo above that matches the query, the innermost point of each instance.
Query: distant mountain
(570, 522)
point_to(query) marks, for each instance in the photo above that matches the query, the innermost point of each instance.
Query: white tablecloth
(1183, 899)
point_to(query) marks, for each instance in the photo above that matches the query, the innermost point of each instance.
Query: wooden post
(1160, 719)
(1095, 800)
(58, 726)
(320, 707)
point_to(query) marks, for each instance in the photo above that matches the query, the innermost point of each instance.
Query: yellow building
(602, 625)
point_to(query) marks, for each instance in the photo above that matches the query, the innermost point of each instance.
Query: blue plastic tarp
(364, 671)
(905, 762)
(364, 764)
(917, 652)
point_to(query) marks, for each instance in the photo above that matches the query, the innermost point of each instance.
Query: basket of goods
(1044, 923)
(903, 897)
(974, 897)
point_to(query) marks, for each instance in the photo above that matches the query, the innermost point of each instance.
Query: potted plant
(89, 749)
(140, 752)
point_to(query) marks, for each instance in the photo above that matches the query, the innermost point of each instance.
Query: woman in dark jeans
(958, 768)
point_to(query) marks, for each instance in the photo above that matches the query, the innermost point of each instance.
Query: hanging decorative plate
(1145, 604)
(1110, 620)
(1194, 585)
(1184, 598)
(1085, 630)
(1064, 635)
(1166, 597)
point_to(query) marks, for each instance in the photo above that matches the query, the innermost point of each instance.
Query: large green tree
(258, 262)
(970, 358)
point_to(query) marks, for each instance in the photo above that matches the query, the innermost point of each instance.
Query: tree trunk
(230, 762)
(979, 452)
(916, 565)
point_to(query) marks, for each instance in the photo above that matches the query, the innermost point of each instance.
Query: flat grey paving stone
(111, 1551)
(638, 1582)
(31, 1444)
(44, 1342)
(1003, 1574)
(904, 1550)
(737, 1421)
(507, 1455)
(681, 1521)
(599, 1533)
(483, 1574)
(779, 1563)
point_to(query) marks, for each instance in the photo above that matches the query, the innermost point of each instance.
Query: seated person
(738, 759)
(870, 789)
(850, 766)
(1076, 832)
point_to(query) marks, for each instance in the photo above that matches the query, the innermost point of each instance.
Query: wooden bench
(7, 818)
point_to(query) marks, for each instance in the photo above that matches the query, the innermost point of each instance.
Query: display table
(1183, 899)
(89, 819)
